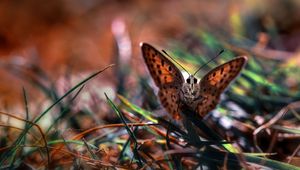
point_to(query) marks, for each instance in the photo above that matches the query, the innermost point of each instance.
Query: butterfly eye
(188, 80)
(195, 81)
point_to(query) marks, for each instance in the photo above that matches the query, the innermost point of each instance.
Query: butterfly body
(190, 92)
(201, 96)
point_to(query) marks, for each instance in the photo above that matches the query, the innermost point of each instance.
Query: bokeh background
(82, 36)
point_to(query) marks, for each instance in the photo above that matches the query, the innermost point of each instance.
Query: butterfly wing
(169, 98)
(162, 70)
(216, 81)
(166, 76)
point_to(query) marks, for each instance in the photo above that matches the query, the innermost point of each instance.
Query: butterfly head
(190, 89)
(191, 80)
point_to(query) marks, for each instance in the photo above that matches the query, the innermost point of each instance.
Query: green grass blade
(16, 144)
(137, 109)
(131, 134)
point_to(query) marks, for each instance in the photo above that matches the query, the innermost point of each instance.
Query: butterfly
(202, 96)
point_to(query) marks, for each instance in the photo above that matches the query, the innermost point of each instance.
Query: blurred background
(47, 47)
(81, 36)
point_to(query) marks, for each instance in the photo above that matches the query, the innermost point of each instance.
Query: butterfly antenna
(175, 61)
(209, 61)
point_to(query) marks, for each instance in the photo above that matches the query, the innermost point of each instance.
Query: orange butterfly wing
(166, 76)
(216, 81)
